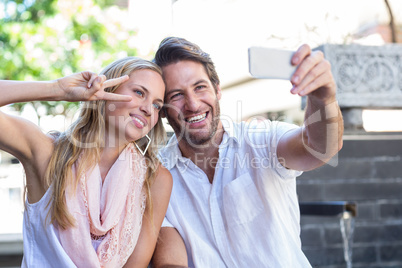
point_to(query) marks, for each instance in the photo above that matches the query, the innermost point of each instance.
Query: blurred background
(45, 40)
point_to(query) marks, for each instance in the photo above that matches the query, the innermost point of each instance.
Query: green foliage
(48, 39)
(30, 10)
(104, 3)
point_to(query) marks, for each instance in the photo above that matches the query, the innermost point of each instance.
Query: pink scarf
(109, 216)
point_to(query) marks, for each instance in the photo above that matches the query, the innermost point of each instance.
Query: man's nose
(192, 102)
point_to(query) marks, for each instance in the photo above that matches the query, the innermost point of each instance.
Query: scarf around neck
(108, 215)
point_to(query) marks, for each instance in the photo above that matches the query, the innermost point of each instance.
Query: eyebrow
(180, 90)
(173, 91)
(200, 81)
(147, 91)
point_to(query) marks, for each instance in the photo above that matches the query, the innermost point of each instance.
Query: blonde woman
(96, 193)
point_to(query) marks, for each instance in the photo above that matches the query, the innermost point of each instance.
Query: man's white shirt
(249, 216)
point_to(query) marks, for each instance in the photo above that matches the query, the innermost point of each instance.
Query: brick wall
(369, 172)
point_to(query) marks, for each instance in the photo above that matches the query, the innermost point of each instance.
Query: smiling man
(183, 77)
(234, 201)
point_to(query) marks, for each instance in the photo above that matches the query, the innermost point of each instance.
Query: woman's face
(130, 121)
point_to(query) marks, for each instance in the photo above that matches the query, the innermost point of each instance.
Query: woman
(96, 194)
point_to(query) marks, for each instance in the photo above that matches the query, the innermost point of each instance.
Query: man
(234, 201)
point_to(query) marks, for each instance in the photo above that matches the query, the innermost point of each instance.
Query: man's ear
(218, 92)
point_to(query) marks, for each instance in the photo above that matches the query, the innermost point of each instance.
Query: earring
(146, 148)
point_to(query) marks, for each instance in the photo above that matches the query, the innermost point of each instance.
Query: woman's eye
(157, 106)
(139, 92)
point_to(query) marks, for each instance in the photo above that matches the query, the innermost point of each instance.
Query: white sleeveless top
(42, 247)
(119, 201)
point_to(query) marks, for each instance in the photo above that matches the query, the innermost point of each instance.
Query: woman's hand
(88, 86)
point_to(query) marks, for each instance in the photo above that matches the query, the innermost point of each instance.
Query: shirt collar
(170, 154)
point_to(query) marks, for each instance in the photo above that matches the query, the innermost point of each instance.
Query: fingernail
(296, 79)
(295, 60)
(293, 90)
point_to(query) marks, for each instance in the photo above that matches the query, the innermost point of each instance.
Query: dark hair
(174, 49)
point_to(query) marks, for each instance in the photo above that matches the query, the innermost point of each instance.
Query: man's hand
(88, 86)
(320, 138)
(313, 76)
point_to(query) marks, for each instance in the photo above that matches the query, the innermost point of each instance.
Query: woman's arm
(24, 139)
(21, 138)
(83, 86)
(160, 192)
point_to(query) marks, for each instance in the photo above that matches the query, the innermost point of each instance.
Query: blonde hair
(84, 140)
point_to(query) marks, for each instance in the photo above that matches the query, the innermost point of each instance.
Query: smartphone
(270, 63)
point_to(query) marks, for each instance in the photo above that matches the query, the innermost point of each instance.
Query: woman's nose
(146, 108)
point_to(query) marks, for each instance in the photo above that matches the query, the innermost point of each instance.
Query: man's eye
(175, 96)
(200, 87)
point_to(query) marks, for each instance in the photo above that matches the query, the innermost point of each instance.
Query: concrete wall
(369, 173)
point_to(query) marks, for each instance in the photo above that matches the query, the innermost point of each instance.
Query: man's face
(192, 104)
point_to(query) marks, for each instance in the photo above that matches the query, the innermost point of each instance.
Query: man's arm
(170, 250)
(320, 138)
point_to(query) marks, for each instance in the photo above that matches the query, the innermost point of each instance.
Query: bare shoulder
(163, 177)
(21, 138)
(161, 188)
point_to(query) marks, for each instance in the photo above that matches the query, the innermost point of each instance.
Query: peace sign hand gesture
(88, 86)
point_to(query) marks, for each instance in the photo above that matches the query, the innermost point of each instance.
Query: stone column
(367, 77)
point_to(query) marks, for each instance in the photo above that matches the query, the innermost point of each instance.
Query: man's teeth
(139, 121)
(197, 118)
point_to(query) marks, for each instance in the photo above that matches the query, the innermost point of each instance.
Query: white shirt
(249, 216)
(42, 247)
